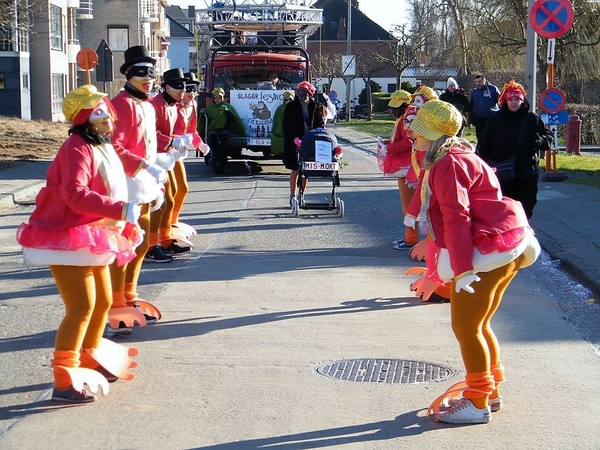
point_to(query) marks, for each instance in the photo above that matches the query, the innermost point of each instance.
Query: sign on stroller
(319, 156)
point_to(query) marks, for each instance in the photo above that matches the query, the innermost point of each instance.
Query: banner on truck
(256, 109)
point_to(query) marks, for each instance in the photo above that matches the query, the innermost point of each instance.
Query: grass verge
(581, 169)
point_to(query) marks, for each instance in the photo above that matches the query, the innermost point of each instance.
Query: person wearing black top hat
(187, 120)
(134, 140)
(161, 241)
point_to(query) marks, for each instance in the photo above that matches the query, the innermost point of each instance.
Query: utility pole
(348, 52)
(531, 66)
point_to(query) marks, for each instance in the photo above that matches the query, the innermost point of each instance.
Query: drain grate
(370, 370)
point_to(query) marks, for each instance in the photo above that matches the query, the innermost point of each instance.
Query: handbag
(505, 170)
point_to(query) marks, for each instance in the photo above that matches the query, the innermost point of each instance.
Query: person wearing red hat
(514, 130)
(134, 139)
(299, 116)
(83, 222)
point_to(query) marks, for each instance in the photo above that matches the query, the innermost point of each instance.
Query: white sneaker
(465, 412)
(496, 404)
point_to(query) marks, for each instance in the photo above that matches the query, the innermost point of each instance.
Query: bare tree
(326, 66)
(367, 65)
(403, 53)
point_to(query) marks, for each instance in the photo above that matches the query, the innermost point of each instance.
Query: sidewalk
(566, 219)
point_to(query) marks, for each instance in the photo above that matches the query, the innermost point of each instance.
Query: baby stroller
(318, 157)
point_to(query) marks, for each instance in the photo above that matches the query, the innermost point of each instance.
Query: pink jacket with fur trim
(465, 209)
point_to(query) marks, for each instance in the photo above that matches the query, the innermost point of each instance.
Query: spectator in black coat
(299, 116)
(457, 98)
(515, 130)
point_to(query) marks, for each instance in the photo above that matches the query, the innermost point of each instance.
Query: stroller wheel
(295, 207)
(340, 207)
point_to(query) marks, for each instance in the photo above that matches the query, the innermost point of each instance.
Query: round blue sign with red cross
(551, 18)
(552, 101)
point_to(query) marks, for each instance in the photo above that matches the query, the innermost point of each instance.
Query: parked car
(356, 111)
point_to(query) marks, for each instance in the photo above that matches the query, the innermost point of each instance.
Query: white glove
(160, 199)
(138, 238)
(410, 222)
(159, 174)
(183, 141)
(179, 153)
(465, 283)
(188, 140)
(205, 149)
(133, 212)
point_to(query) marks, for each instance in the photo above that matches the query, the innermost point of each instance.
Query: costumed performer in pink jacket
(83, 222)
(394, 161)
(480, 240)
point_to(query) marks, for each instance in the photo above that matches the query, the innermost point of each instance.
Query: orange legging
(411, 235)
(181, 189)
(471, 315)
(86, 293)
(124, 279)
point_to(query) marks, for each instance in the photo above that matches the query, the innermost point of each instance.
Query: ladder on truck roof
(257, 22)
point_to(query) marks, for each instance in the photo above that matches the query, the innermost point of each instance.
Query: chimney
(191, 12)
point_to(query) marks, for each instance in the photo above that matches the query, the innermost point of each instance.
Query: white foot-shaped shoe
(465, 412)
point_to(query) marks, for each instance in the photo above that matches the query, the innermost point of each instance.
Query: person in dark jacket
(514, 129)
(299, 116)
(484, 99)
(457, 98)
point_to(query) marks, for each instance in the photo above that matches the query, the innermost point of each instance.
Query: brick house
(366, 35)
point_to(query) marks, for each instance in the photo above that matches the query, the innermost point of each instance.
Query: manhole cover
(369, 370)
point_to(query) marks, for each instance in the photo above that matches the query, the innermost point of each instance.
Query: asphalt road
(261, 302)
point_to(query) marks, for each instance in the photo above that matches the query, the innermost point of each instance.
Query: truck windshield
(248, 76)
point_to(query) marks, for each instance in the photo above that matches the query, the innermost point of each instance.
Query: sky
(386, 13)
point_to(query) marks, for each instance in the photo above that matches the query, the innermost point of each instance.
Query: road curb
(20, 195)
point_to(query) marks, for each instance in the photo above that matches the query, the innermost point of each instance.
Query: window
(56, 28)
(2, 80)
(25, 80)
(391, 87)
(58, 92)
(118, 39)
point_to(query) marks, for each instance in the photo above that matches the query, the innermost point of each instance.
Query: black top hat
(134, 55)
(171, 76)
(190, 78)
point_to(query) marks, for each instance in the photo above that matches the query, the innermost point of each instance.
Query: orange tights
(411, 235)
(471, 315)
(124, 279)
(181, 189)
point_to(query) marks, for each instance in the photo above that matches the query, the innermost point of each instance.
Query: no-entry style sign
(552, 101)
(551, 18)
(87, 58)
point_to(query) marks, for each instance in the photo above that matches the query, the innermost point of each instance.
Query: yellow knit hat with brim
(288, 95)
(80, 101)
(427, 92)
(436, 119)
(398, 98)
(218, 91)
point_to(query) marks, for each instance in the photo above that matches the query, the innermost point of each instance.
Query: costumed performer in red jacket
(186, 124)
(480, 240)
(83, 222)
(134, 140)
(171, 148)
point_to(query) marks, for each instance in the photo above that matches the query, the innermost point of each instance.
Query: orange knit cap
(511, 89)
